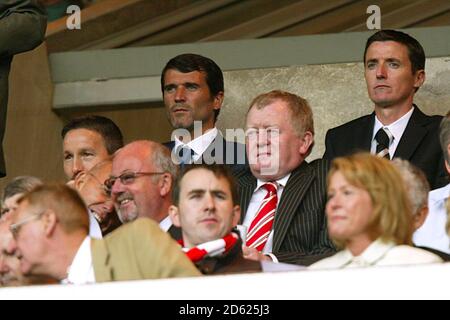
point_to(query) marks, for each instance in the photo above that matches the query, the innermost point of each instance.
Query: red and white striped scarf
(210, 249)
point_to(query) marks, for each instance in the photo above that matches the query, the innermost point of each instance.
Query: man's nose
(77, 167)
(381, 71)
(180, 94)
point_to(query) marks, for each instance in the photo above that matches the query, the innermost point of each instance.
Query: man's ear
(174, 215)
(218, 100)
(50, 221)
(165, 184)
(419, 79)
(307, 141)
(420, 217)
(236, 215)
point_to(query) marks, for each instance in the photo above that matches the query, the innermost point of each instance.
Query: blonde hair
(392, 218)
(301, 114)
(65, 202)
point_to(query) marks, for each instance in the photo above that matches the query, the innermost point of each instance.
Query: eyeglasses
(126, 178)
(15, 227)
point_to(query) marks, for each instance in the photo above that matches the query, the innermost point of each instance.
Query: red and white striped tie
(261, 225)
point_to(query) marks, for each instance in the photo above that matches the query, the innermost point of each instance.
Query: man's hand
(253, 254)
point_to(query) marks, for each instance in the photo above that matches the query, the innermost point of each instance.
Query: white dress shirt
(255, 204)
(199, 144)
(165, 224)
(378, 253)
(82, 270)
(433, 234)
(396, 129)
(95, 231)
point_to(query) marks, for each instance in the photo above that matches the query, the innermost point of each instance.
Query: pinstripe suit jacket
(300, 227)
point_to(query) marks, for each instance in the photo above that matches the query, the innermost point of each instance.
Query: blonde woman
(369, 215)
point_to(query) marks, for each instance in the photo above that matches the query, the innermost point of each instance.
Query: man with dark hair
(206, 208)
(22, 28)
(435, 231)
(193, 92)
(88, 141)
(394, 71)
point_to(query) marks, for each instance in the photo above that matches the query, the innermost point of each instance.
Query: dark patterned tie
(383, 143)
(185, 155)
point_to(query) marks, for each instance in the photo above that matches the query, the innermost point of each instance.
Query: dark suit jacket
(419, 143)
(22, 28)
(230, 263)
(300, 226)
(221, 151)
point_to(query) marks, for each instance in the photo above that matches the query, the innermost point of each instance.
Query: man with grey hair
(434, 233)
(418, 189)
(141, 183)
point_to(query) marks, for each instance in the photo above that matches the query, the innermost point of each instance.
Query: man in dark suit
(283, 197)
(394, 71)
(193, 93)
(22, 28)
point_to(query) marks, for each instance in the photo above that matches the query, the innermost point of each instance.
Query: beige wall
(337, 93)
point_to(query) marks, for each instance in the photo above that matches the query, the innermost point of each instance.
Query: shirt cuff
(272, 256)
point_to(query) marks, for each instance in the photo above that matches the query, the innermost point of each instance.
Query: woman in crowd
(369, 215)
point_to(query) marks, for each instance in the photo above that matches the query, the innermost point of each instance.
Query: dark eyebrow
(197, 191)
(393, 60)
(169, 86)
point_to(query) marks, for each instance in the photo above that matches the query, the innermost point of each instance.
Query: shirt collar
(439, 195)
(280, 182)
(81, 270)
(165, 224)
(373, 253)
(396, 128)
(199, 144)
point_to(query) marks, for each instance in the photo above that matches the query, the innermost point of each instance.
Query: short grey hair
(20, 184)
(162, 160)
(415, 182)
(444, 136)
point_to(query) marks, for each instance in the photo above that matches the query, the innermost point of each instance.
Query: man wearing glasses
(141, 184)
(50, 231)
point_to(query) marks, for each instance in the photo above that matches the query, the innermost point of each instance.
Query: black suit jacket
(22, 28)
(221, 151)
(300, 226)
(419, 143)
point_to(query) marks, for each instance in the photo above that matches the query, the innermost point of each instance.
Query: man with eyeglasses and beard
(141, 184)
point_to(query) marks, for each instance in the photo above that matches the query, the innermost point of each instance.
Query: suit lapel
(293, 194)
(363, 135)
(413, 135)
